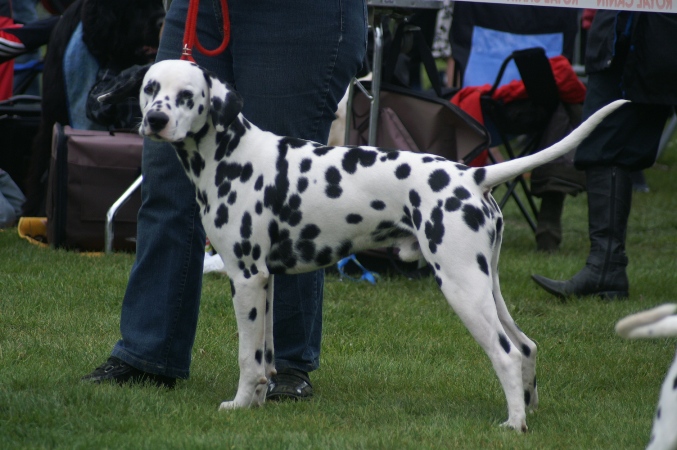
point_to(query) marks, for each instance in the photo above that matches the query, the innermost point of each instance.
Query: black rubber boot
(609, 198)
(549, 227)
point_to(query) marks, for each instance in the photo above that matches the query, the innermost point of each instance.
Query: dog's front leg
(255, 354)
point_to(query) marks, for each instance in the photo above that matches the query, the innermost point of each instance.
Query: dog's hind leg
(249, 299)
(526, 346)
(469, 293)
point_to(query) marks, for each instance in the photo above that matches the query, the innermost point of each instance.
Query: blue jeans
(291, 62)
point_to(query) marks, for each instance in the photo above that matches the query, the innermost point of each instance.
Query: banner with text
(667, 6)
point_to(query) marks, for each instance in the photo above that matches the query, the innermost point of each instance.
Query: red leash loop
(190, 38)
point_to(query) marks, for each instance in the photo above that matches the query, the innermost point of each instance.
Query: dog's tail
(490, 176)
(653, 323)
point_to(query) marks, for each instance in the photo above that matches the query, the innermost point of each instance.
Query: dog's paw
(520, 425)
(229, 405)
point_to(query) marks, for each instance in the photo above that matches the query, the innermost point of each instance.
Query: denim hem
(147, 366)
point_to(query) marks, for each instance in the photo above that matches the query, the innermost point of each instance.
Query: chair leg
(549, 227)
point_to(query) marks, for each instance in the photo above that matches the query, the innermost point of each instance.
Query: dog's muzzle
(156, 120)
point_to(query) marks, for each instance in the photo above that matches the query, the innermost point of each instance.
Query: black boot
(609, 198)
(549, 228)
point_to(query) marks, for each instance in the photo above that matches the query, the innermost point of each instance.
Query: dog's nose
(156, 120)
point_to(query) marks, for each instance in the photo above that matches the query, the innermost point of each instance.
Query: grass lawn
(399, 370)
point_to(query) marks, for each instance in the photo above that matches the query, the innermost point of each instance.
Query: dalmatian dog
(279, 205)
(660, 321)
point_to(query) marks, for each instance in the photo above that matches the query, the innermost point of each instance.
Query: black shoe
(114, 369)
(576, 287)
(289, 384)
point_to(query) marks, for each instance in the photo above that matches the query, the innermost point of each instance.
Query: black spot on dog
(482, 261)
(452, 204)
(378, 205)
(479, 175)
(321, 151)
(505, 343)
(221, 216)
(232, 288)
(295, 201)
(333, 177)
(302, 184)
(258, 208)
(414, 199)
(438, 180)
(256, 252)
(246, 226)
(462, 193)
(353, 218)
(526, 351)
(232, 198)
(252, 314)
(246, 247)
(462, 167)
(269, 356)
(434, 229)
(323, 257)
(306, 164)
(310, 231)
(355, 156)
(247, 172)
(224, 189)
(473, 217)
(344, 249)
(427, 159)
(237, 250)
(499, 225)
(254, 269)
(258, 185)
(527, 397)
(258, 356)
(306, 250)
(438, 280)
(403, 171)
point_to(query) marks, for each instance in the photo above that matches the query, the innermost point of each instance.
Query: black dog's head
(122, 33)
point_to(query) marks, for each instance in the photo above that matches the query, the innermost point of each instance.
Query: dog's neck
(193, 151)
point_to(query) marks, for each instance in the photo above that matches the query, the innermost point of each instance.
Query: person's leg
(160, 307)
(627, 141)
(292, 65)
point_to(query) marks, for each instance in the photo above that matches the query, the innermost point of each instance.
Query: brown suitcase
(89, 171)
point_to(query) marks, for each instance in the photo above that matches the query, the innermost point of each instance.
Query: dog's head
(178, 99)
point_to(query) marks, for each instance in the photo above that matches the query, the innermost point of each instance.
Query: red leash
(190, 38)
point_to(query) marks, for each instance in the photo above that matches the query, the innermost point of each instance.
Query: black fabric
(629, 137)
(642, 45)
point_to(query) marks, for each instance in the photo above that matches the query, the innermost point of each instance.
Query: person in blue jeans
(292, 63)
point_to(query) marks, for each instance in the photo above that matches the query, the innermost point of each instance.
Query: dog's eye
(151, 88)
(185, 97)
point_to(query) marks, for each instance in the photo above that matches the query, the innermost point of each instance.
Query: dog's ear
(225, 102)
(127, 84)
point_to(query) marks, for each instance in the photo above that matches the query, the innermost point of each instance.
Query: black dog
(119, 34)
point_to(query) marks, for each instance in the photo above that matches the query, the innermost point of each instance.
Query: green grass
(398, 368)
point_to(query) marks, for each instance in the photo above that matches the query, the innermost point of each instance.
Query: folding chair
(528, 118)
(495, 45)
